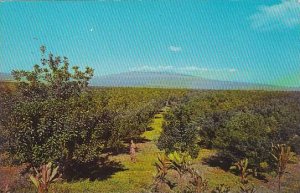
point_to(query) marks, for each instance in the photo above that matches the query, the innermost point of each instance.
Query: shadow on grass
(124, 147)
(141, 140)
(121, 149)
(96, 170)
(224, 163)
(217, 161)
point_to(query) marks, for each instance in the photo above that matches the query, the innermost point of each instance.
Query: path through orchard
(133, 177)
(138, 177)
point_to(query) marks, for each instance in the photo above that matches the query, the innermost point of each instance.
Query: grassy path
(134, 177)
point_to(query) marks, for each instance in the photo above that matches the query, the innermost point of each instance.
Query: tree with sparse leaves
(282, 155)
(52, 79)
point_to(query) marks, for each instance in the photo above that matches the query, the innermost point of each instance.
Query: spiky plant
(162, 167)
(222, 188)
(244, 171)
(180, 162)
(282, 155)
(199, 184)
(44, 176)
(247, 189)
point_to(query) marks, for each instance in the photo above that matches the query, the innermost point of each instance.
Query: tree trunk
(279, 183)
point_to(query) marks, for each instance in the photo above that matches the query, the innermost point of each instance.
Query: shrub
(244, 135)
(178, 134)
(44, 176)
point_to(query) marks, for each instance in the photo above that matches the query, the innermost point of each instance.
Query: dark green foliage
(7, 103)
(295, 144)
(240, 124)
(57, 130)
(245, 135)
(127, 111)
(54, 118)
(179, 134)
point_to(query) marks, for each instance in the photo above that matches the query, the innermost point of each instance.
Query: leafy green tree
(7, 103)
(52, 79)
(245, 135)
(55, 118)
(178, 134)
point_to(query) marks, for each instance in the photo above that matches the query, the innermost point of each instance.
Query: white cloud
(232, 70)
(175, 48)
(142, 68)
(286, 14)
(192, 69)
(166, 67)
(183, 70)
(153, 68)
(196, 69)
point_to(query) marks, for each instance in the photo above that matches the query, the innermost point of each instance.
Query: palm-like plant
(162, 167)
(242, 167)
(221, 189)
(44, 176)
(282, 155)
(179, 162)
(247, 189)
(199, 184)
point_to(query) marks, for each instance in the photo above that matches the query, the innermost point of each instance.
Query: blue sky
(237, 40)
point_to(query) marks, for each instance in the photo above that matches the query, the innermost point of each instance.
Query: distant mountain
(169, 80)
(5, 76)
(172, 80)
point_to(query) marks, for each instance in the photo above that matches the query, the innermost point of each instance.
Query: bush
(295, 144)
(54, 116)
(245, 136)
(178, 134)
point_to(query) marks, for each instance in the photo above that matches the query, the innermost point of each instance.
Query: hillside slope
(172, 80)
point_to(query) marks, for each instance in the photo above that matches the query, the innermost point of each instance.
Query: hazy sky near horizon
(237, 40)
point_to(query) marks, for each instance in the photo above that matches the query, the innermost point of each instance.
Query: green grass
(214, 175)
(156, 125)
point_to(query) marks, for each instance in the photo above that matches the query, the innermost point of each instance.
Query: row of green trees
(240, 124)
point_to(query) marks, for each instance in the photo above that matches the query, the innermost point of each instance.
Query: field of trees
(57, 134)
